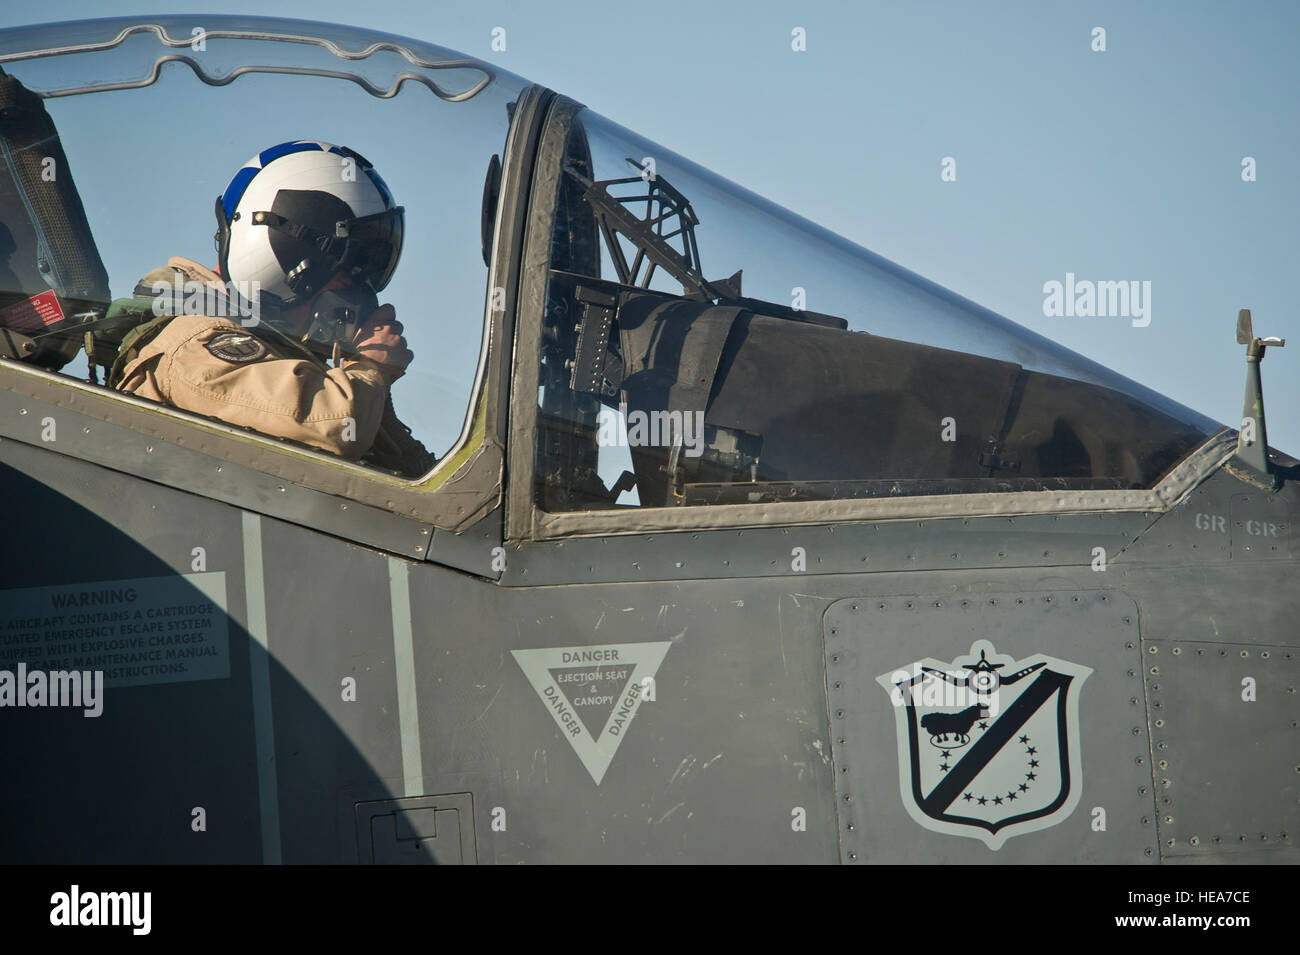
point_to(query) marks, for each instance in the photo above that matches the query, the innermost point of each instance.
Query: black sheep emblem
(952, 729)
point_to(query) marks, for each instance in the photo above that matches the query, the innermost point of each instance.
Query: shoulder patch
(238, 348)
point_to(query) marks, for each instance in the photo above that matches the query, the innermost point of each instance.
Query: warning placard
(140, 631)
(593, 693)
(33, 314)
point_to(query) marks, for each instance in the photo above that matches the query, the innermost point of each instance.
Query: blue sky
(1122, 165)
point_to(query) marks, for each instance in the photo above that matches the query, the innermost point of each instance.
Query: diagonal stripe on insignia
(991, 743)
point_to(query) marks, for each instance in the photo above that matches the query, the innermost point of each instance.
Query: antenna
(1252, 439)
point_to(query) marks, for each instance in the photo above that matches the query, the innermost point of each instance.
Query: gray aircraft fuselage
(304, 663)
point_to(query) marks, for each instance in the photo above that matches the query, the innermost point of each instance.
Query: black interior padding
(834, 405)
(42, 218)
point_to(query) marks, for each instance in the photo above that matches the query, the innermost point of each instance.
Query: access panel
(989, 728)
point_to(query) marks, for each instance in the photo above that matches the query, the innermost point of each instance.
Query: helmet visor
(373, 246)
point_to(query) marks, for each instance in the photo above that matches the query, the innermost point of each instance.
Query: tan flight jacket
(278, 395)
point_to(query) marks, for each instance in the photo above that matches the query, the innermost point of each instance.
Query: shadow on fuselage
(133, 784)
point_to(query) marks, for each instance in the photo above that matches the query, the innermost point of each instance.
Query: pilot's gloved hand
(380, 341)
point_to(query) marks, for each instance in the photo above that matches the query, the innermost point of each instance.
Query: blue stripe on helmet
(235, 191)
(283, 149)
(381, 186)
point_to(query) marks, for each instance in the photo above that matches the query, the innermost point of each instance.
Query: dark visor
(372, 245)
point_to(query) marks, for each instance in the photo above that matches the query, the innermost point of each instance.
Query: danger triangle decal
(593, 693)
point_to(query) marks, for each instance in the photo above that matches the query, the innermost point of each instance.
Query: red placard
(33, 315)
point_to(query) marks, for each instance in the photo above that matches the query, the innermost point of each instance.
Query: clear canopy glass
(753, 356)
(157, 114)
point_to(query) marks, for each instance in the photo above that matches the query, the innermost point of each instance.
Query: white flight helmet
(298, 213)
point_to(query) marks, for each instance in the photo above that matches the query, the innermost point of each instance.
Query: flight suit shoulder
(141, 374)
(177, 271)
(186, 328)
(216, 367)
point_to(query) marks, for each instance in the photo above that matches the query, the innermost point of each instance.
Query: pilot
(307, 235)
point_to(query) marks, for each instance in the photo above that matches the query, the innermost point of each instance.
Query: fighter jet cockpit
(704, 346)
(407, 464)
(689, 342)
(360, 157)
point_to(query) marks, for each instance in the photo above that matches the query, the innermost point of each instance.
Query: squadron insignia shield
(988, 746)
(237, 348)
